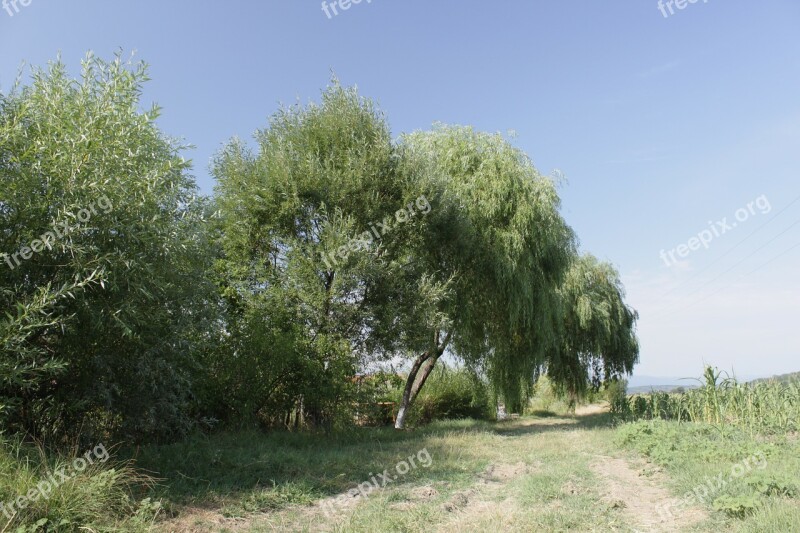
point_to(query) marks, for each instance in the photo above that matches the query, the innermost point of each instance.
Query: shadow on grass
(257, 471)
(542, 423)
(212, 468)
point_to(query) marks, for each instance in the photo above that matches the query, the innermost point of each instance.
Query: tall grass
(722, 402)
(452, 393)
(101, 497)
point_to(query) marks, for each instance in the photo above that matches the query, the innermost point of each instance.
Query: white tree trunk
(400, 421)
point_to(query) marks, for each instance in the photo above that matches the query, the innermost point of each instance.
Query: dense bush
(547, 399)
(375, 398)
(617, 397)
(104, 495)
(102, 283)
(451, 394)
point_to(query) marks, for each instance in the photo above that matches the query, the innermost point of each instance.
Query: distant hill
(648, 382)
(643, 384)
(643, 389)
(783, 378)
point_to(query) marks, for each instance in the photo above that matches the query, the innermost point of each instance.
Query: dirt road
(528, 474)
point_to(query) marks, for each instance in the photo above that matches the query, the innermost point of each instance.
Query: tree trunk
(413, 386)
(405, 402)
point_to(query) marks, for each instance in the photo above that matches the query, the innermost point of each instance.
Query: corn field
(722, 402)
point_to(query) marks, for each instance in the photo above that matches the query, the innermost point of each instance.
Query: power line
(748, 256)
(745, 258)
(735, 246)
(730, 284)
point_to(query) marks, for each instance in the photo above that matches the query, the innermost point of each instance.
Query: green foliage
(772, 484)
(24, 365)
(765, 406)
(598, 340)
(664, 442)
(146, 317)
(617, 396)
(376, 398)
(102, 497)
(501, 248)
(736, 506)
(298, 327)
(548, 399)
(452, 394)
(109, 309)
(477, 273)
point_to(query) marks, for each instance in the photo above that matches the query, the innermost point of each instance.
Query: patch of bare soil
(459, 500)
(481, 500)
(642, 500)
(194, 520)
(424, 493)
(505, 472)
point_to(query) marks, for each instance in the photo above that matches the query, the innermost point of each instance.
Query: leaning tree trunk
(414, 385)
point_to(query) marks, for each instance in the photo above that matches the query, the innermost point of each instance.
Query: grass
(484, 477)
(296, 468)
(103, 495)
(537, 472)
(748, 483)
(248, 474)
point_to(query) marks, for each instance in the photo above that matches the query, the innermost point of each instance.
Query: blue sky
(663, 126)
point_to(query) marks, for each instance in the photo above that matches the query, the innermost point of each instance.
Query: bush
(102, 496)
(374, 398)
(617, 396)
(736, 506)
(450, 394)
(102, 320)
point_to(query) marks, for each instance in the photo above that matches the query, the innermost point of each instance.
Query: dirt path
(543, 474)
(642, 500)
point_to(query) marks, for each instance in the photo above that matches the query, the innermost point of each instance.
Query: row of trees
(328, 248)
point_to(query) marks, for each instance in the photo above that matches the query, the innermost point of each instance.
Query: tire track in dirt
(640, 499)
(622, 488)
(480, 501)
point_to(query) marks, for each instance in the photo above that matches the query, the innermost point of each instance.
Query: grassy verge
(531, 473)
(747, 482)
(479, 473)
(40, 491)
(253, 471)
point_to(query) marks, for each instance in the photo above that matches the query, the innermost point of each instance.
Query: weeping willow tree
(496, 251)
(495, 276)
(598, 341)
(465, 252)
